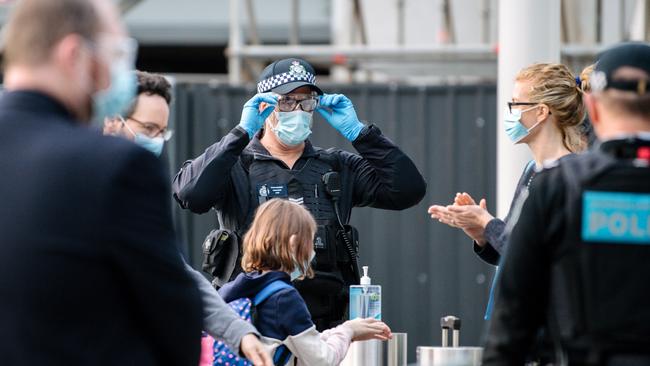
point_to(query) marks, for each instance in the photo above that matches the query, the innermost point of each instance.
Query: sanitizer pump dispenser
(365, 299)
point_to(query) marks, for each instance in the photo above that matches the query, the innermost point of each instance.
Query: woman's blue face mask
(515, 130)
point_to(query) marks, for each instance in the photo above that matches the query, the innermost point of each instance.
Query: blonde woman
(279, 247)
(546, 113)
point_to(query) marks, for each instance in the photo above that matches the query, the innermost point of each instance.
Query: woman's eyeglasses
(512, 104)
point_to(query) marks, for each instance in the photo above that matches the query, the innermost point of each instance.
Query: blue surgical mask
(297, 272)
(515, 130)
(120, 94)
(293, 127)
(153, 144)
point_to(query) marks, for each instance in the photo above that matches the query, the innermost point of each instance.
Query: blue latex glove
(252, 119)
(342, 117)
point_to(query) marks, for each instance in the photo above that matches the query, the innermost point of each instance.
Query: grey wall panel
(427, 270)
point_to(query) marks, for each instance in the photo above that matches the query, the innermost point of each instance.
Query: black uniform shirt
(381, 175)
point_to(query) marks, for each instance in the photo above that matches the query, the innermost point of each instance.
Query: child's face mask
(297, 272)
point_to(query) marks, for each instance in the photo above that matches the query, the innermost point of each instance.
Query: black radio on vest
(332, 182)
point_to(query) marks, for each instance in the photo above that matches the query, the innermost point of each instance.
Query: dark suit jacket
(89, 270)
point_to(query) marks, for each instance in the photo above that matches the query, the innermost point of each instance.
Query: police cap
(631, 54)
(284, 76)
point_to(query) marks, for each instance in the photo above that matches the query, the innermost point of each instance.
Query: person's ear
(543, 112)
(272, 118)
(293, 243)
(71, 55)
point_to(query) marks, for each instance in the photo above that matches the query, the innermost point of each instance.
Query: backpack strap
(269, 290)
(282, 354)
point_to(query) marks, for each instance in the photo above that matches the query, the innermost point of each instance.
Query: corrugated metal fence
(427, 270)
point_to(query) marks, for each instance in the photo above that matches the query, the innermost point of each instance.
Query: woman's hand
(369, 328)
(440, 213)
(469, 215)
(464, 214)
(463, 199)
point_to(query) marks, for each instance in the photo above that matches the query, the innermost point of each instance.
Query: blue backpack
(245, 308)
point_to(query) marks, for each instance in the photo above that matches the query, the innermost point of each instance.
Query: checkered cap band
(281, 79)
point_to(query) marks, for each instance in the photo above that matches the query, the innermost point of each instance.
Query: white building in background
(444, 40)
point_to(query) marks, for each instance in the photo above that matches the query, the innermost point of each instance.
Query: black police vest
(269, 179)
(600, 278)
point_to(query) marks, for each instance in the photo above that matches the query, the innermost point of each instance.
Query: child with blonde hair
(279, 247)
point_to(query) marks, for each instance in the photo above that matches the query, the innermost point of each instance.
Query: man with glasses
(89, 269)
(268, 155)
(146, 121)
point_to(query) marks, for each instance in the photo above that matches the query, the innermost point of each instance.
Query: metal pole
(341, 30)
(642, 30)
(361, 25)
(294, 33)
(529, 31)
(623, 21)
(234, 45)
(564, 23)
(477, 52)
(252, 23)
(485, 20)
(599, 21)
(646, 20)
(449, 21)
(415, 52)
(400, 22)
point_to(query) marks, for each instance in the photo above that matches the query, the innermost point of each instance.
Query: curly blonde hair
(555, 86)
(267, 242)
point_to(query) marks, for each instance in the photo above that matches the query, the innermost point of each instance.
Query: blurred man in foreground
(89, 272)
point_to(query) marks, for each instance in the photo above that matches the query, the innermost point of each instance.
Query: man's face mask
(293, 127)
(515, 130)
(153, 144)
(119, 54)
(295, 116)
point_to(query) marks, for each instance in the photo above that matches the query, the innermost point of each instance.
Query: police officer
(578, 259)
(268, 155)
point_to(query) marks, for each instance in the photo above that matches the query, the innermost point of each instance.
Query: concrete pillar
(529, 31)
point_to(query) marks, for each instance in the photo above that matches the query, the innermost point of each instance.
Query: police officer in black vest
(579, 258)
(268, 155)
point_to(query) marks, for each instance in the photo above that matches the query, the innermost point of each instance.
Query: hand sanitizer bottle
(365, 299)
